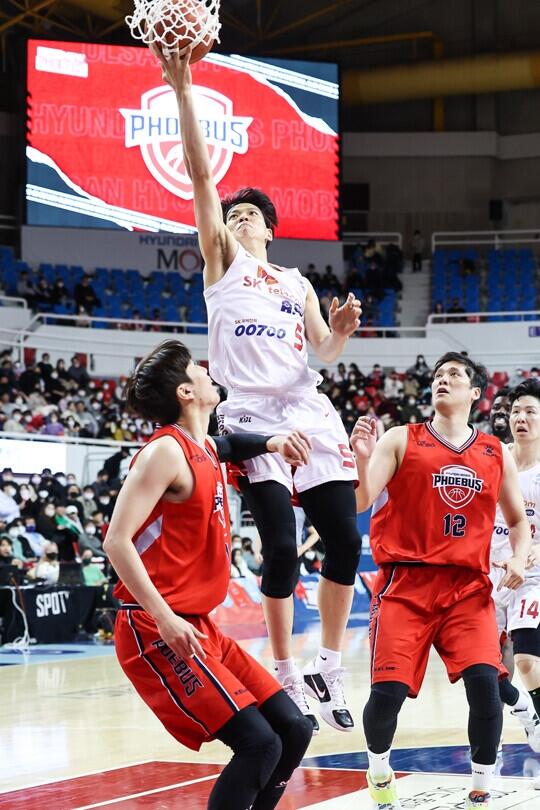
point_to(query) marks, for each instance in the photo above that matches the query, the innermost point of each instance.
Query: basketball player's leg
(400, 635)
(285, 718)
(270, 505)
(331, 507)
(479, 663)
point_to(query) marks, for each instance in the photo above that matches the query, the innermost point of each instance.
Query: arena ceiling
(356, 33)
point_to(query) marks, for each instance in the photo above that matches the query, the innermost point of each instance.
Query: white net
(172, 23)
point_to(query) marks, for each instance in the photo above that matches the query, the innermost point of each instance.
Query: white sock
(379, 766)
(482, 776)
(284, 668)
(327, 660)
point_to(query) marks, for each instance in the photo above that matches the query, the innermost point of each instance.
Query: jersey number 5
(454, 525)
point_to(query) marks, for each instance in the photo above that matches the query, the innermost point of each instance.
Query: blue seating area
(503, 281)
(123, 293)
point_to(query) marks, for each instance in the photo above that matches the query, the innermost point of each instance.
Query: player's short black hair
(151, 390)
(476, 372)
(502, 392)
(256, 197)
(527, 388)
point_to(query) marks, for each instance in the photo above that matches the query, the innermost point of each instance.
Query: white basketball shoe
(328, 688)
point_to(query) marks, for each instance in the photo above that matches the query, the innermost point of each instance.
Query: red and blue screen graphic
(104, 147)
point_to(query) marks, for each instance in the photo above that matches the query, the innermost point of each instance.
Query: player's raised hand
(175, 70)
(182, 637)
(294, 448)
(364, 437)
(345, 319)
(515, 573)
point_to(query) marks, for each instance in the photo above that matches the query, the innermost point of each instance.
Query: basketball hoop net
(193, 20)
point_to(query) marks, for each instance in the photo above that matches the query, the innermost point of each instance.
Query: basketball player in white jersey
(260, 318)
(518, 612)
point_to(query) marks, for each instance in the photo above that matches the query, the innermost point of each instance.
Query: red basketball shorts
(192, 697)
(416, 607)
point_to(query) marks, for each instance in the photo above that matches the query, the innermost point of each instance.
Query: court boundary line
(148, 792)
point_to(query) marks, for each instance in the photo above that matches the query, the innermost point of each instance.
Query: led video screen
(104, 148)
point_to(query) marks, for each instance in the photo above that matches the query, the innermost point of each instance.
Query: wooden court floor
(73, 734)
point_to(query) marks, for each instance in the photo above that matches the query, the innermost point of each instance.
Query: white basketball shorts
(518, 609)
(331, 457)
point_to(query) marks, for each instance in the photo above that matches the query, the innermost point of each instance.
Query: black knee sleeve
(295, 732)
(485, 712)
(527, 641)
(270, 504)
(381, 713)
(257, 750)
(332, 510)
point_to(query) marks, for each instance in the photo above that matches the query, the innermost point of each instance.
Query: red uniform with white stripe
(185, 550)
(430, 535)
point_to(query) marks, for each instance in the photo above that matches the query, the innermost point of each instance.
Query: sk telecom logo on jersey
(457, 485)
(155, 129)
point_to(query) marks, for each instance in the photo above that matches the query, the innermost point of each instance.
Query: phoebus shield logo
(155, 129)
(457, 485)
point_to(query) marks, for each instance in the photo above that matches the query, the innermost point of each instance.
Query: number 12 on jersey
(454, 525)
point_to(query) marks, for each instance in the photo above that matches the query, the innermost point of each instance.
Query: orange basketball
(179, 25)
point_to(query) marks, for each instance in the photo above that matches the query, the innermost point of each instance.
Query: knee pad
(527, 641)
(482, 689)
(280, 559)
(342, 552)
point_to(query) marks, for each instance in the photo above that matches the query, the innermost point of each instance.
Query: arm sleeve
(240, 446)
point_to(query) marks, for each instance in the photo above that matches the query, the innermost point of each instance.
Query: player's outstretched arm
(159, 467)
(218, 245)
(376, 461)
(328, 342)
(236, 447)
(511, 503)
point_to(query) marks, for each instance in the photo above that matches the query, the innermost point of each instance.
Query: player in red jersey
(434, 488)
(169, 541)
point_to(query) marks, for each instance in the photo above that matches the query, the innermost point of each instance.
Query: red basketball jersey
(440, 505)
(185, 547)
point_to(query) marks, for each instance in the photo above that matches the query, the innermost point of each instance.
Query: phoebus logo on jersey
(457, 485)
(155, 129)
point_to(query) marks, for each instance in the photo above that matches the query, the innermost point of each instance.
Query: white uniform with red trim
(520, 608)
(258, 352)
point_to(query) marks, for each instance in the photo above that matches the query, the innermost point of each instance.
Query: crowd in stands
(63, 400)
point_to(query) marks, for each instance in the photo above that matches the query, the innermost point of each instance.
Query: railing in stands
(482, 317)
(12, 301)
(496, 239)
(380, 237)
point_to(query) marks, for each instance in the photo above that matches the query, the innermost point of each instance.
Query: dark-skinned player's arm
(159, 467)
(218, 246)
(237, 447)
(376, 461)
(328, 341)
(513, 509)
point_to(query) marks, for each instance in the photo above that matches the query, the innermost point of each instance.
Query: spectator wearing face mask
(53, 426)
(92, 574)
(45, 520)
(48, 568)
(89, 541)
(14, 423)
(6, 552)
(35, 539)
(22, 549)
(88, 503)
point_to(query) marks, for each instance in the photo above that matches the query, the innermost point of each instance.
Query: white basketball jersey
(529, 483)
(256, 336)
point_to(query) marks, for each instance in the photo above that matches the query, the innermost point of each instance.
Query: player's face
(204, 389)
(452, 387)
(245, 221)
(525, 420)
(499, 416)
